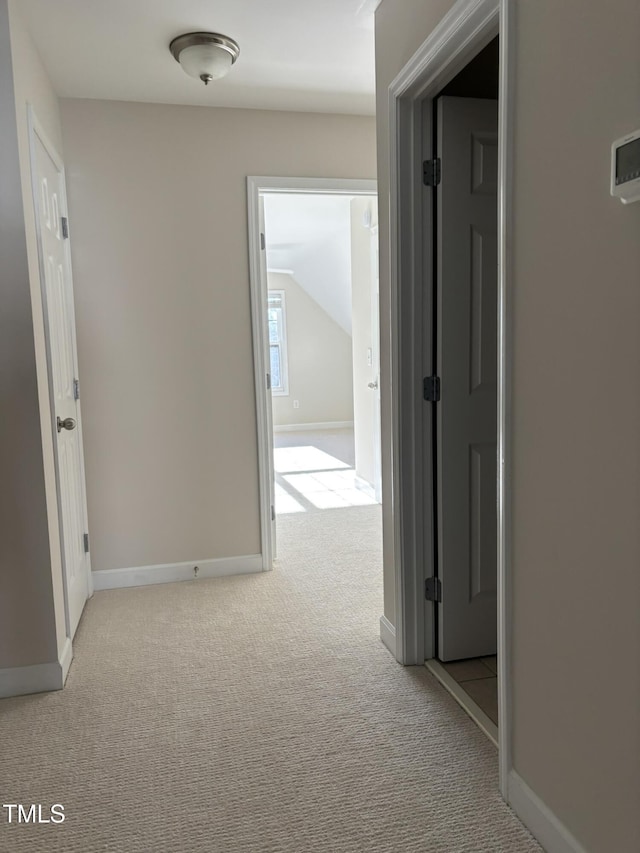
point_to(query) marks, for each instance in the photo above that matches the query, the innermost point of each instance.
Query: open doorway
(316, 333)
(464, 315)
(323, 354)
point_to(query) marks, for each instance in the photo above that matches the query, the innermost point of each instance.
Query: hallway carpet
(253, 713)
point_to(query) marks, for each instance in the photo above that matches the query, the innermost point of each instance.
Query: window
(278, 344)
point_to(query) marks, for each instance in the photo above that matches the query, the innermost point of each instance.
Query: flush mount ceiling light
(207, 56)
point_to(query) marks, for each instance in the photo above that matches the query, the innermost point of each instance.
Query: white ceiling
(315, 55)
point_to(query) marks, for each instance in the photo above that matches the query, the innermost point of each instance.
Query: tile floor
(478, 678)
(316, 471)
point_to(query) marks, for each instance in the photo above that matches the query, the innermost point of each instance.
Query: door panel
(375, 361)
(267, 356)
(467, 365)
(60, 323)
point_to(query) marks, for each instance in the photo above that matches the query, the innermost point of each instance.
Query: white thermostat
(625, 168)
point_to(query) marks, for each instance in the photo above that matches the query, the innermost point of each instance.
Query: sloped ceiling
(310, 236)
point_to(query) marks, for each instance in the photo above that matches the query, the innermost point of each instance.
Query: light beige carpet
(254, 713)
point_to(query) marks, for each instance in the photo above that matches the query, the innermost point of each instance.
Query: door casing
(467, 28)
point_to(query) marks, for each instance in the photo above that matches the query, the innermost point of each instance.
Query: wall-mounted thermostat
(625, 168)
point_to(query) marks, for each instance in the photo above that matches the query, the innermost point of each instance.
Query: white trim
(506, 103)
(256, 185)
(482, 720)
(388, 634)
(40, 678)
(34, 129)
(362, 485)
(264, 415)
(283, 390)
(468, 27)
(464, 30)
(332, 186)
(65, 659)
(172, 572)
(552, 834)
(313, 427)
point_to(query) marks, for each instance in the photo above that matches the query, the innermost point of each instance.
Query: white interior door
(467, 365)
(375, 363)
(267, 355)
(49, 195)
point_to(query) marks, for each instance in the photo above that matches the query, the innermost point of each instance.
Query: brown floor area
(478, 678)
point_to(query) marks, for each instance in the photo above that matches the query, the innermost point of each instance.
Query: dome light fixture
(205, 56)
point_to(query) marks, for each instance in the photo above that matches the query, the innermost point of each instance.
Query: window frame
(283, 389)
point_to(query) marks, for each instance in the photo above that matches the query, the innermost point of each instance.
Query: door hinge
(268, 382)
(431, 389)
(76, 389)
(431, 172)
(85, 541)
(273, 513)
(263, 242)
(65, 227)
(433, 589)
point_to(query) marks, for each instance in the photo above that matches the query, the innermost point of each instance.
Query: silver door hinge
(433, 589)
(431, 172)
(85, 542)
(76, 389)
(65, 227)
(431, 389)
(273, 513)
(268, 382)
(263, 242)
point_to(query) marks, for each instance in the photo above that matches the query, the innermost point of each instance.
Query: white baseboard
(172, 572)
(313, 427)
(388, 634)
(539, 819)
(65, 660)
(40, 678)
(367, 488)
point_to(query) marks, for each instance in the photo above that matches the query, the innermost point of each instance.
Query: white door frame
(468, 27)
(35, 129)
(258, 285)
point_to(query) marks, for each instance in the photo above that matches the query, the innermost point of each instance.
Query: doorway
(315, 315)
(459, 38)
(463, 313)
(323, 352)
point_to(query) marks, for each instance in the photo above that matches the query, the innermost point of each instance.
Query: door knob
(67, 423)
(373, 385)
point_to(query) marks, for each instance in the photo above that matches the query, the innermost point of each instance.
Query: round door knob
(67, 423)
(373, 385)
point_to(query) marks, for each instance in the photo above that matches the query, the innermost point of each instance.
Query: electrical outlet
(296, 404)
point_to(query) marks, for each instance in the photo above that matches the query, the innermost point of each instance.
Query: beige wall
(157, 200)
(319, 357)
(362, 291)
(32, 624)
(576, 405)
